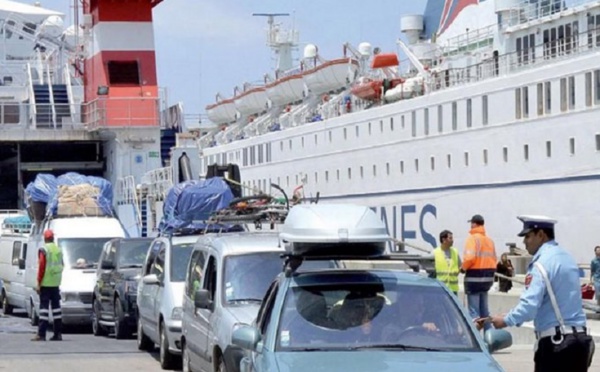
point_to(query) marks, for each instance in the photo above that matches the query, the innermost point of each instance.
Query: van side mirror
(497, 339)
(202, 299)
(21, 264)
(246, 337)
(151, 279)
(107, 265)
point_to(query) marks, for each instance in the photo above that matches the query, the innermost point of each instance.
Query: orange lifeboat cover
(384, 60)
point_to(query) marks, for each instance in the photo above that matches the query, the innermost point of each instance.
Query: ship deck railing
(103, 113)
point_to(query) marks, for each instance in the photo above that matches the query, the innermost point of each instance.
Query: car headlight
(176, 313)
(70, 297)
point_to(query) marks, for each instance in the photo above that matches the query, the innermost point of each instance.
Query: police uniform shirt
(535, 303)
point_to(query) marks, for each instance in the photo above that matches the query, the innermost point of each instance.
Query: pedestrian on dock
(552, 299)
(50, 268)
(447, 261)
(595, 273)
(479, 266)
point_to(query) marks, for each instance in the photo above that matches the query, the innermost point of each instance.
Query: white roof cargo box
(334, 230)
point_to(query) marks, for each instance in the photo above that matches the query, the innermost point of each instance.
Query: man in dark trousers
(552, 299)
(50, 270)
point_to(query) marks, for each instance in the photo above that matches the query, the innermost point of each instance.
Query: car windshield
(81, 253)
(180, 257)
(247, 276)
(363, 313)
(132, 253)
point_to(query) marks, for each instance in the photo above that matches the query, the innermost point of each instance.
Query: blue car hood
(381, 361)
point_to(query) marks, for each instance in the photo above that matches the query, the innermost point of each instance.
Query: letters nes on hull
(493, 117)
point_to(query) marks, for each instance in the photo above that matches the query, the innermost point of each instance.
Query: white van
(13, 251)
(81, 240)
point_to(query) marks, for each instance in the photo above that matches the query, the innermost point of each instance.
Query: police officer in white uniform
(552, 298)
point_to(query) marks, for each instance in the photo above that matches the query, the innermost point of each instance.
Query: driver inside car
(410, 313)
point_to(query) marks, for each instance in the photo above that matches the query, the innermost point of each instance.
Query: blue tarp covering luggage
(41, 189)
(190, 203)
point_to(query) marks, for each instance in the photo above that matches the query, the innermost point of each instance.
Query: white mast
(283, 42)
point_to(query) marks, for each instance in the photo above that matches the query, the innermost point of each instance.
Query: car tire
(97, 328)
(186, 363)
(144, 343)
(167, 360)
(7, 308)
(33, 317)
(121, 329)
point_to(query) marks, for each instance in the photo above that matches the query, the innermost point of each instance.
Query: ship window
(349, 173)
(417, 165)
(440, 118)
(548, 88)
(590, 31)
(597, 87)
(466, 158)
(561, 39)
(278, 181)
(525, 96)
(548, 148)
(525, 49)
(563, 94)
(575, 37)
(432, 160)
(374, 170)
(123, 73)
(345, 133)
(571, 92)
(337, 174)
(526, 152)
(597, 29)
(326, 176)
(572, 146)
(330, 137)
(362, 172)
(290, 144)
(597, 142)
(402, 121)
(518, 103)
(402, 161)
(369, 128)
(454, 116)
(469, 113)
(296, 179)
(316, 140)
(287, 180)
(546, 42)
(426, 120)
(392, 124)
(540, 99)
(357, 131)
(381, 126)
(413, 116)
(568, 37)
(505, 154)
(302, 142)
(485, 156)
(449, 161)
(532, 47)
(10, 113)
(519, 51)
(484, 110)
(387, 168)
(281, 146)
(588, 89)
(553, 42)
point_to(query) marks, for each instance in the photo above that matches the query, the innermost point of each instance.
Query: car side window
(158, 267)
(210, 277)
(264, 314)
(152, 252)
(194, 274)
(16, 253)
(112, 250)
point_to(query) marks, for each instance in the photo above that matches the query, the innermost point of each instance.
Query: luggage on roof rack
(255, 209)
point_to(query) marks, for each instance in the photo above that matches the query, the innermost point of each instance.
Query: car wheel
(143, 342)
(121, 329)
(33, 317)
(7, 308)
(97, 328)
(185, 358)
(167, 360)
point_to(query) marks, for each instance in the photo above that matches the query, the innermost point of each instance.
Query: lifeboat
(286, 89)
(331, 75)
(410, 88)
(222, 112)
(251, 101)
(371, 89)
(383, 60)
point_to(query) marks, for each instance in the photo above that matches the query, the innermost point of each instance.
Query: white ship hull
(428, 180)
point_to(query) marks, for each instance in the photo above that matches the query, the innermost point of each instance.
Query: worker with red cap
(49, 277)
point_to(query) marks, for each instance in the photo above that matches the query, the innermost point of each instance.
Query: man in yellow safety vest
(447, 262)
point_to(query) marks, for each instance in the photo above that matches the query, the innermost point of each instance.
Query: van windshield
(81, 253)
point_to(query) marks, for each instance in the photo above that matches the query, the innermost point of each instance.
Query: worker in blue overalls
(552, 298)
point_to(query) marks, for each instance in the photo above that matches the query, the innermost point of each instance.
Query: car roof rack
(415, 262)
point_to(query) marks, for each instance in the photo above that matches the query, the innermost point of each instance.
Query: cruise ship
(497, 115)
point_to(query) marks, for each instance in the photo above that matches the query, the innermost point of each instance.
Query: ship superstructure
(497, 115)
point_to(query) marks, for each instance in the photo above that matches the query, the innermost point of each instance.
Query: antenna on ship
(282, 42)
